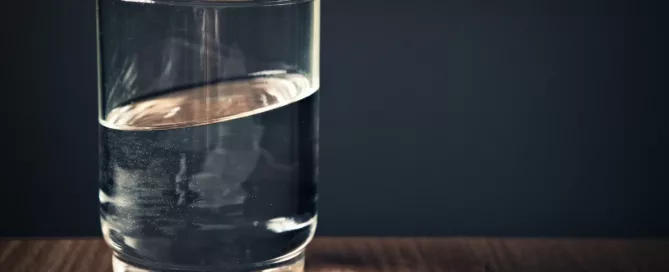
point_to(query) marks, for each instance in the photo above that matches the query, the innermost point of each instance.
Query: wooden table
(387, 254)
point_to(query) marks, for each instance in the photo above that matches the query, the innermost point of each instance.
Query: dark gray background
(521, 118)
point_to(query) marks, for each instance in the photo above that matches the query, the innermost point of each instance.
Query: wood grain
(386, 254)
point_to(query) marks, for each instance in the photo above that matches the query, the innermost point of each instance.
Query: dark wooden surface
(387, 254)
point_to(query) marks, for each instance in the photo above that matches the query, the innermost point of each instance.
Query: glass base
(295, 264)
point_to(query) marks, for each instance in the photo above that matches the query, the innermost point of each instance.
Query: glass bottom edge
(294, 264)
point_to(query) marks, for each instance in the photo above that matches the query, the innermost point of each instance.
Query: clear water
(190, 179)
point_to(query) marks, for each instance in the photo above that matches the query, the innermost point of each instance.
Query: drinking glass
(209, 133)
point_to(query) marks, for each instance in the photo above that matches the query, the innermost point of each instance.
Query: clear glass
(209, 133)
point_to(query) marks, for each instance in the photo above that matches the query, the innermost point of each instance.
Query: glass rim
(222, 3)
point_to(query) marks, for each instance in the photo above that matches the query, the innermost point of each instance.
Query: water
(219, 175)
